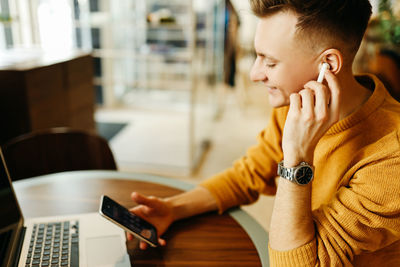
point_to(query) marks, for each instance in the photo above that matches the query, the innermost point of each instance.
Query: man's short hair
(340, 23)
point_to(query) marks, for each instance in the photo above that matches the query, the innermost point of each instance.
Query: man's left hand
(311, 113)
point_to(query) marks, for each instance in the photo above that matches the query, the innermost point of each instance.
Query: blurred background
(164, 81)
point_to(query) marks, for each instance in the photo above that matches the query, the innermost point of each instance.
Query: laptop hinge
(19, 247)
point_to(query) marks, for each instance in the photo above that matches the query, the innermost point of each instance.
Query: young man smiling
(334, 144)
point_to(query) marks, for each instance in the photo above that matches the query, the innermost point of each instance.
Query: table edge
(255, 231)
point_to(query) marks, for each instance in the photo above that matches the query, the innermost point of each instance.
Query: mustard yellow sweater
(355, 192)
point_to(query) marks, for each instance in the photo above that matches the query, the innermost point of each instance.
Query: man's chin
(277, 102)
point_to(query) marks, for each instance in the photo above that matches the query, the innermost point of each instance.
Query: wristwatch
(301, 174)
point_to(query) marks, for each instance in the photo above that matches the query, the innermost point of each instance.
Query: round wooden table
(231, 239)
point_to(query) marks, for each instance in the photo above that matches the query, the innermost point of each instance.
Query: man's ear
(334, 58)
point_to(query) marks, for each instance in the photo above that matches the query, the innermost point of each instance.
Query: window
(55, 21)
(6, 38)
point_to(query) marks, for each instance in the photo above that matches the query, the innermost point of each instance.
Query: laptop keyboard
(54, 244)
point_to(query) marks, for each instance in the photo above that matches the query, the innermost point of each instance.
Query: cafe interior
(162, 87)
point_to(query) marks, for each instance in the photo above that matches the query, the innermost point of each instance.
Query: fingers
(295, 103)
(146, 204)
(162, 242)
(326, 100)
(141, 210)
(308, 102)
(143, 245)
(318, 97)
(129, 236)
(303, 102)
(322, 98)
(334, 87)
(140, 199)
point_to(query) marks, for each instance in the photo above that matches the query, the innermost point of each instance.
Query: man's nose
(257, 73)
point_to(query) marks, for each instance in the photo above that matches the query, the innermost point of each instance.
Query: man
(338, 139)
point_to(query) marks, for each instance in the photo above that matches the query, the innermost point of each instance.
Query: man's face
(283, 64)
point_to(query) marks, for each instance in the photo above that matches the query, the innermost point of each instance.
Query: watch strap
(289, 173)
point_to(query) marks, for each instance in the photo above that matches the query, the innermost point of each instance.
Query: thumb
(140, 199)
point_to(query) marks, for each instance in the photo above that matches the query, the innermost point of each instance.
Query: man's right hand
(163, 212)
(156, 211)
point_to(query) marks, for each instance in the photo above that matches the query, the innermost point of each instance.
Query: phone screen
(131, 222)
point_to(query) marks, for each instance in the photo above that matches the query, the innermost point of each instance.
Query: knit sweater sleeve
(253, 174)
(363, 216)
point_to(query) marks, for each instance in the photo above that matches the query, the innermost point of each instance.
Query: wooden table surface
(205, 240)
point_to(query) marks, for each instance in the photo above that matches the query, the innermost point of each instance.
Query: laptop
(73, 240)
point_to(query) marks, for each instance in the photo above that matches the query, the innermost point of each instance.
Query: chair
(386, 65)
(56, 150)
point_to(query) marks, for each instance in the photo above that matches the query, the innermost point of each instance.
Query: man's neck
(353, 95)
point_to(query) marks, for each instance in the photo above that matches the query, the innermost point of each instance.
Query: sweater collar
(374, 101)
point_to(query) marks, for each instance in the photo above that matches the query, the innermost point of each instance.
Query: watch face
(304, 175)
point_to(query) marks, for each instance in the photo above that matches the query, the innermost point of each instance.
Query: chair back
(386, 66)
(56, 150)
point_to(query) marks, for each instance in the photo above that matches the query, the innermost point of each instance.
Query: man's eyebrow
(266, 56)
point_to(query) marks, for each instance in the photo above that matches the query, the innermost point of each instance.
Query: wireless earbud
(321, 75)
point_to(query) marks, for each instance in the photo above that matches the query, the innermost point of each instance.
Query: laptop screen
(10, 214)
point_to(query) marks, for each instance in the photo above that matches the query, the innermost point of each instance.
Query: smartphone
(130, 222)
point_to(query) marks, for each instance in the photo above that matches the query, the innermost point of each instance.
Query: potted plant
(388, 24)
(383, 46)
(384, 29)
